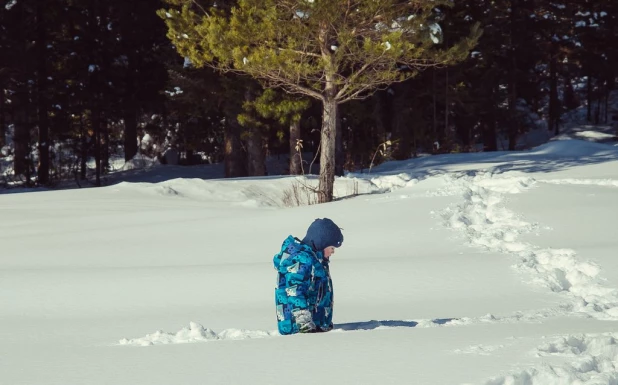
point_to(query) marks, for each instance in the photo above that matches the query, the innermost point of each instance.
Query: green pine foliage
(296, 45)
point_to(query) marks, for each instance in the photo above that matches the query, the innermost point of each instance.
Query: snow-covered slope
(456, 269)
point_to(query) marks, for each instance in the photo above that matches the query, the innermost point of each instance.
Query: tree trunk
(435, 106)
(21, 101)
(571, 101)
(512, 98)
(130, 132)
(402, 126)
(489, 126)
(234, 155)
(94, 85)
(489, 135)
(96, 128)
(464, 124)
(84, 150)
(295, 156)
(328, 144)
(446, 106)
(255, 153)
(597, 114)
(554, 109)
(130, 112)
(606, 115)
(130, 103)
(339, 150)
(2, 120)
(105, 137)
(21, 140)
(378, 116)
(609, 79)
(402, 134)
(589, 97)
(43, 170)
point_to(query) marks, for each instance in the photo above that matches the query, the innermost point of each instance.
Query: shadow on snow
(374, 324)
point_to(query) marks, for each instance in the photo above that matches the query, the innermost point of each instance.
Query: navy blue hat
(323, 233)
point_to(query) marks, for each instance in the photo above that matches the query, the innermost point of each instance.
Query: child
(304, 293)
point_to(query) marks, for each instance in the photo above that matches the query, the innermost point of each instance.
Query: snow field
(432, 284)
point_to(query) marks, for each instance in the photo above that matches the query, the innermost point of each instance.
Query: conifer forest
(343, 84)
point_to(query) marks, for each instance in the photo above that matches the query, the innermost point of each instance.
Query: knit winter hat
(323, 233)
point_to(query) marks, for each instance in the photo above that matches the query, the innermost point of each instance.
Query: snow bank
(563, 146)
(279, 192)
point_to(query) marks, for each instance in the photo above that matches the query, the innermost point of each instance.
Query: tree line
(234, 81)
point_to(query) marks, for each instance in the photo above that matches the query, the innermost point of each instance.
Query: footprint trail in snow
(485, 222)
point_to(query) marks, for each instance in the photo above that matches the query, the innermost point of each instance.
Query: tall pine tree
(333, 51)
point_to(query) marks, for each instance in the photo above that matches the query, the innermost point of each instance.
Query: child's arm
(299, 277)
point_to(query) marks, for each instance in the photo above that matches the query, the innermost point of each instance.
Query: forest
(356, 83)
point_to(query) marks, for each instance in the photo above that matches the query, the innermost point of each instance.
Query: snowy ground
(489, 269)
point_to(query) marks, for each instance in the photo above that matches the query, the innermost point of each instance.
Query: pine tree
(333, 51)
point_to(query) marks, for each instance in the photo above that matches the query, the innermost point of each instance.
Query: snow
(483, 268)
(10, 4)
(146, 141)
(173, 93)
(435, 32)
(594, 362)
(139, 161)
(195, 333)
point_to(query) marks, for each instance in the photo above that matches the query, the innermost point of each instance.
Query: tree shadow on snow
(374, 324)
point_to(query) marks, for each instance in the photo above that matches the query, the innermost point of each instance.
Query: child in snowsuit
(304, 292)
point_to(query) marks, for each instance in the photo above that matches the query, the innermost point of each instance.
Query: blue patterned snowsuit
(304, 292)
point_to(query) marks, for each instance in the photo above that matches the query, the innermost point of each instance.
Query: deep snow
(487, 268)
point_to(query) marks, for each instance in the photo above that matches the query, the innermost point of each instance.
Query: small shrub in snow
(299, 194)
